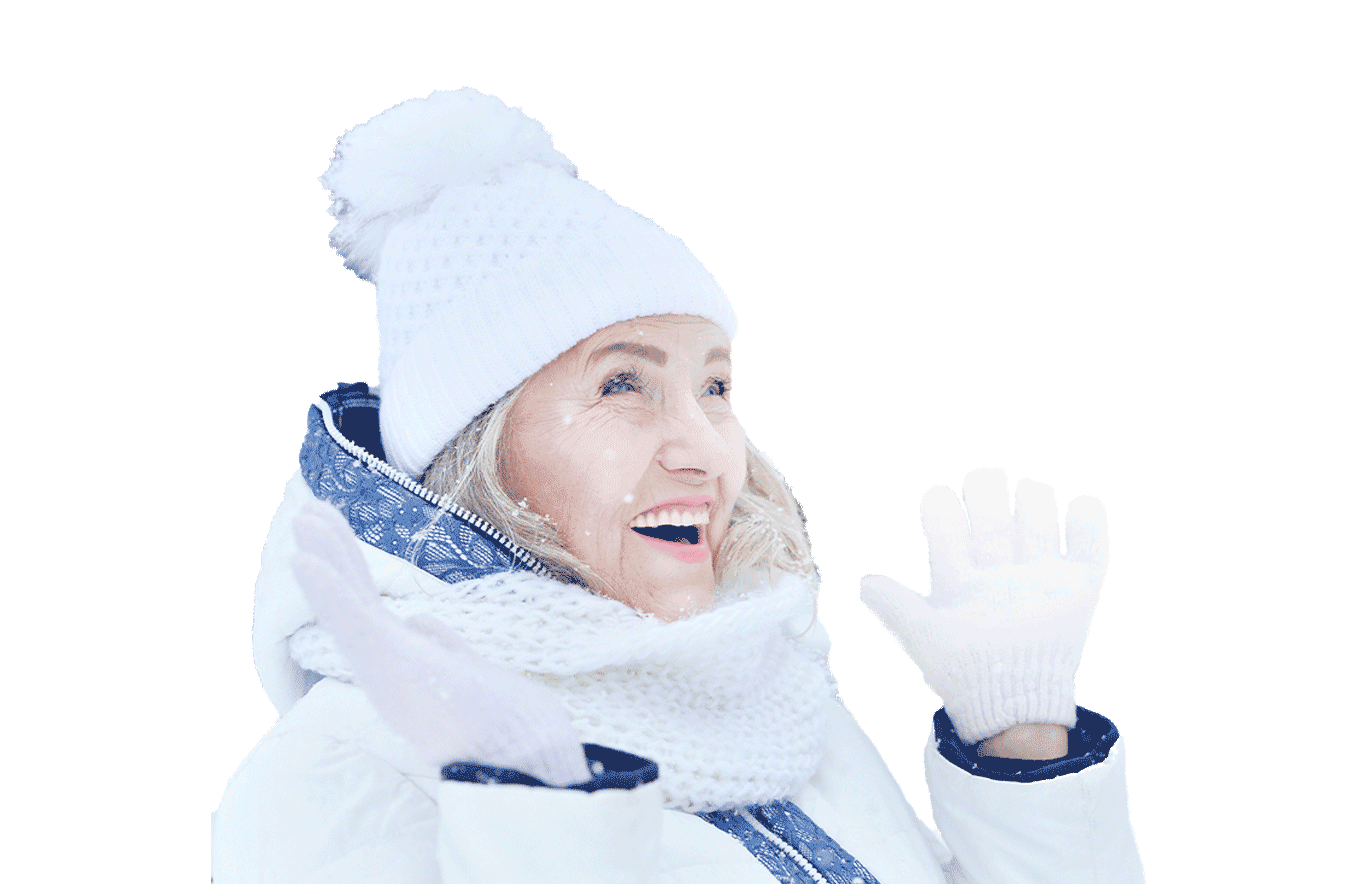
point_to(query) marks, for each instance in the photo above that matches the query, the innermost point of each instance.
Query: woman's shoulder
(330, 747)
(328, 782)
(338, 718)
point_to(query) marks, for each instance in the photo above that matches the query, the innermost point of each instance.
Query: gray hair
(767, 529)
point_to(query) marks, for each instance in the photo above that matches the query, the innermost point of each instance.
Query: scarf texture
(730, 702)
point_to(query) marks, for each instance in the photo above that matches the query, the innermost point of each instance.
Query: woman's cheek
(592, 478)
(737, 469)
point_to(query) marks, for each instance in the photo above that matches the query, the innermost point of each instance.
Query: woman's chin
(667, 587)
(676, 603)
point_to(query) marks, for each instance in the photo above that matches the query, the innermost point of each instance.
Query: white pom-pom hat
(490, 259)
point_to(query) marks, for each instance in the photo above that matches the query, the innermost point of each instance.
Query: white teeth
(670, 517)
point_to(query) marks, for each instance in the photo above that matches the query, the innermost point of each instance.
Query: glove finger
(322, 530)
(420, 691)
(397, 665)
(559, 764)
(556, 762)
(472, 710)
(991, 524)
(440, 633)
(901, 610)
(353, 614)
(1035, 523)
(1085, 534)
(445, 703)
(536, 735)
(390, 658)
(948, 533)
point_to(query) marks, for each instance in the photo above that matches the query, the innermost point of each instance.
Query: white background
(1104, 246)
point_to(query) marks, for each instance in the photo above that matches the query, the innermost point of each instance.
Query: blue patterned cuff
(610, 769)
(1089, 743)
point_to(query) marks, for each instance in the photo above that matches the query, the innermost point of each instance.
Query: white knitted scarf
(730, 702)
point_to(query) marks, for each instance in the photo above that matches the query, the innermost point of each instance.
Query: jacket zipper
(439, 501)
(787, 848)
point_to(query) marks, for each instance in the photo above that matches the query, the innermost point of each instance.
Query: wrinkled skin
(635, 415)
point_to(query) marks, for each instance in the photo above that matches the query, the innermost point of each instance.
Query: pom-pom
(393, 166)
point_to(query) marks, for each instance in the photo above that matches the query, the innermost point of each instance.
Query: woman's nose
(693, 445)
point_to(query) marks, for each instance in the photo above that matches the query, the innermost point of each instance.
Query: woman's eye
(623, 382)
(718, 387)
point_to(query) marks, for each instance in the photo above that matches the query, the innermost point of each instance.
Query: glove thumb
(901, 610)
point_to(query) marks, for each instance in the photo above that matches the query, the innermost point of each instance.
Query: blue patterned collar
(342, 461)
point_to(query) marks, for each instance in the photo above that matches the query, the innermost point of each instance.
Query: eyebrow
(642, 351)
(717, 353)
(652, 354)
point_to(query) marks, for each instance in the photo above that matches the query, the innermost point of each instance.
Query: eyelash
(723, 386)
(632, 378)
(718, 386)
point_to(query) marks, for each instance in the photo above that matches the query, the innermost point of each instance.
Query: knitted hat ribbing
(490, 259)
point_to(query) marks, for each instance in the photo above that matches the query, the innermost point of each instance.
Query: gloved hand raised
(422, 677)
(1001, 633)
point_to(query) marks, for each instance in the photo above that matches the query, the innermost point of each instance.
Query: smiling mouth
(671, 525)
(679, 532)
(672, 533)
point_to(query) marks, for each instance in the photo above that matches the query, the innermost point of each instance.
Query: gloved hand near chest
(1000, 635)
(423, 678)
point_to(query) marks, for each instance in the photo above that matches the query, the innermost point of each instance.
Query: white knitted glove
(1000, 635)
(422, 677)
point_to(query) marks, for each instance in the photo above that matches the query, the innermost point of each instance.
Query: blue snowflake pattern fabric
(787, 821)
(390, 517)
(783, 868)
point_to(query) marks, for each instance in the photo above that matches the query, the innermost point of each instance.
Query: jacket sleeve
(310, 809)
(1008, 821)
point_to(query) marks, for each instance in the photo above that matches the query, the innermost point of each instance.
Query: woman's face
(628, 444)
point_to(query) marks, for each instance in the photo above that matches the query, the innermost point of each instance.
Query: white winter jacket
(332, 795)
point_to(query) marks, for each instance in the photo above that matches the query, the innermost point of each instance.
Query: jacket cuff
(610, 769)
(1090, 741)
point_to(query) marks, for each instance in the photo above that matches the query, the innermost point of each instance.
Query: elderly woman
(538, 611)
